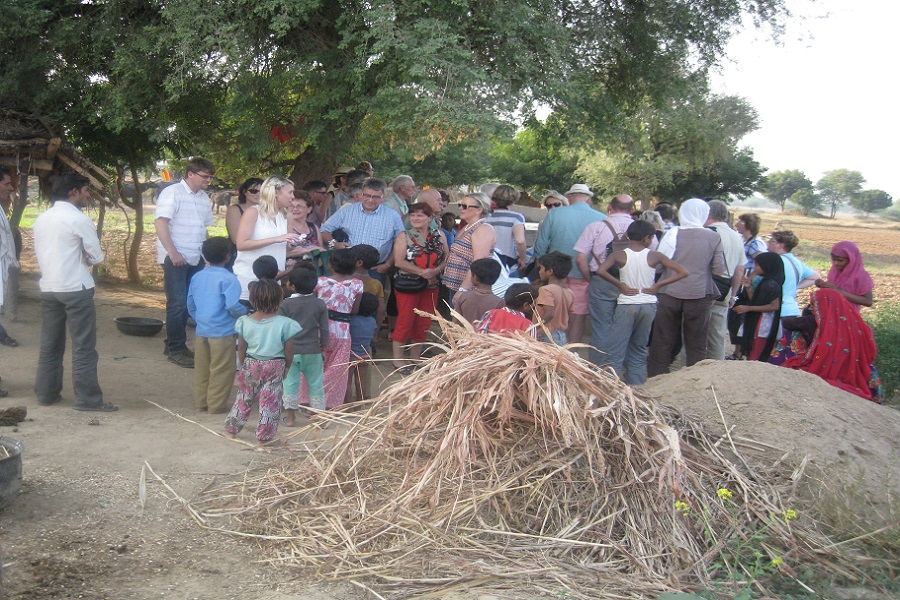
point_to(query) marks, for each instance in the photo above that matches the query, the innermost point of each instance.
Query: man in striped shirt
(182, 215)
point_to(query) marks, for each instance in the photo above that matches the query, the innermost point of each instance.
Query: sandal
(8, 341)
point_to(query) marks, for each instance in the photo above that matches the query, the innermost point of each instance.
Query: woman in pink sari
(848, 275)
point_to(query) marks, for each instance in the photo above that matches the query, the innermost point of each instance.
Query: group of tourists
(306, 277)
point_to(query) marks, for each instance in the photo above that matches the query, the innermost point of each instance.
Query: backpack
(619, 242)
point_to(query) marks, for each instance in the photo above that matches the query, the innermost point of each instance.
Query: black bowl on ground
(142, 326)
(10, 469)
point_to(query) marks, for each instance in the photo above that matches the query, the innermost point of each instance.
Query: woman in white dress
(265, 229)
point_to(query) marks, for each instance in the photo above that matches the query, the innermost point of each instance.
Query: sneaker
(182, 360)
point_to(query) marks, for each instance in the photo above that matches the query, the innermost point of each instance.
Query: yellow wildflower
(724, 493)
(777, 561)
(788, 514)
(682, 507)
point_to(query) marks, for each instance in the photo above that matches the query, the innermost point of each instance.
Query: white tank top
(637, 274)
(264, 228)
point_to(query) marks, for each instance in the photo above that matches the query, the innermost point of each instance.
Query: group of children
(542, 312)
(292, 351)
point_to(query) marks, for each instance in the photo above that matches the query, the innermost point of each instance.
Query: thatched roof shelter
(31, 146)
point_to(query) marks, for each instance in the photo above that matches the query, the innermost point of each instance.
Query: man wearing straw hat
(560, 230)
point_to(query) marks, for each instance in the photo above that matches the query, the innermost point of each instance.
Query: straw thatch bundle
(508, 462)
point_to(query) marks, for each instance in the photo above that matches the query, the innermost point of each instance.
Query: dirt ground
(77, 529)
(783, 419)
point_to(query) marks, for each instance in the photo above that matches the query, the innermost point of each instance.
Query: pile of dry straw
(505, 462)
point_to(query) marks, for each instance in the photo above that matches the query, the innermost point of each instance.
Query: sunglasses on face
(253, 191)
(552, 205)
(465, 206)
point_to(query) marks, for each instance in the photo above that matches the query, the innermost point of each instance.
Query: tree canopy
(780, 186)
(688, 147)
(300, 85)
(839, 187)
(869, 201)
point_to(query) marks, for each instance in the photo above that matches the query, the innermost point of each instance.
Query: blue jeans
(77, 310)
(176, 281)
(628, 350)
(556, 337)
(602, 297)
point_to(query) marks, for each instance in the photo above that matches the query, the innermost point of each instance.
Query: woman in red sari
(833, 342)
(848, 275)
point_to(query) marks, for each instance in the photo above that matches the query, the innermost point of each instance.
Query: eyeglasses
(552, 205)
(465, 206)
(253, 191)
(204, 175)
(373, 196)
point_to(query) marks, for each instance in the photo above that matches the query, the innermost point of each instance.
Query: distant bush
(886, 324)
(891, 214)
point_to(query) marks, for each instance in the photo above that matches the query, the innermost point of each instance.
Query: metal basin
(142, 326)
(10, 469)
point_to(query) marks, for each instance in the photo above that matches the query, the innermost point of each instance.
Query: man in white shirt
(733, 247)
(183, 213)
(66, 245)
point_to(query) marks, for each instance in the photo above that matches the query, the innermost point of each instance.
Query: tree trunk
(134, 275)
(314, 164)
(101, 218)
(22, 201)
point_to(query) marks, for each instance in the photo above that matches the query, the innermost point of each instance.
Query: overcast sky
(827, 96)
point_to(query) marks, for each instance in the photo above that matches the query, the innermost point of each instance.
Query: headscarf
(692, 215)
(842, 350)
(854, 278)
(768, 289)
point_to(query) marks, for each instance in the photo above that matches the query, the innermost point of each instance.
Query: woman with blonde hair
(265, 229)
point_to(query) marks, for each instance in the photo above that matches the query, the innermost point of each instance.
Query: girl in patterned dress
(342, 293)
(265, 351)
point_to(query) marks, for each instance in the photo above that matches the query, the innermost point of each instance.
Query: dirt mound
(778, 416)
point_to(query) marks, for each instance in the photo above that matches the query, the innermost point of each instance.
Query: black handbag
(723, 283)
(407, 283)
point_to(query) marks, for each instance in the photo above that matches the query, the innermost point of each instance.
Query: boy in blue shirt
(214, 303)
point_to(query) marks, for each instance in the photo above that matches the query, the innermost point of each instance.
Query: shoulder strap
(616, 236)
(796, 272)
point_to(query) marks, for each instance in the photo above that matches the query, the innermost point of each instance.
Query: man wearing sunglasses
(183, 213)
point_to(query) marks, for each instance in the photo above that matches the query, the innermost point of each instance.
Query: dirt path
(77, 529)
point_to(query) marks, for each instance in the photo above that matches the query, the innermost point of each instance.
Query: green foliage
(839, 186)
(886, 325)
(808, 201)
(300, 85)
(460, 163)
(538, 158)
(687, 147)
(869, 201)
(781, 185)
